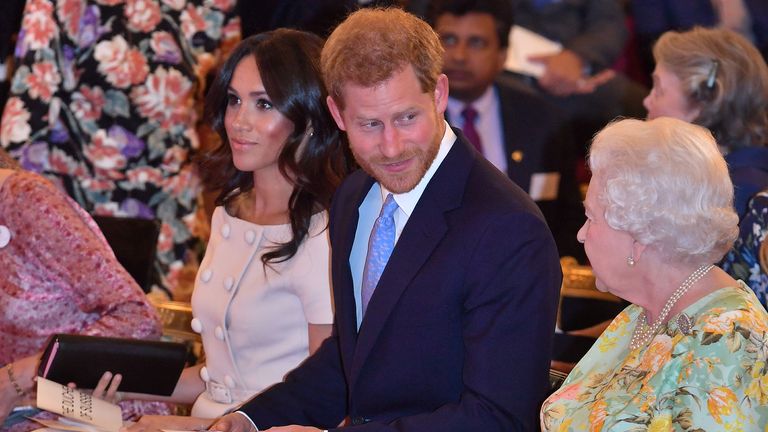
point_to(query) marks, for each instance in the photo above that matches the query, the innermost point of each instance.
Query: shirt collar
(407, 201)
(482, 105)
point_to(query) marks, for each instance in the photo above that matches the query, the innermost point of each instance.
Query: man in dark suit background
(457, 332)
(516, 130)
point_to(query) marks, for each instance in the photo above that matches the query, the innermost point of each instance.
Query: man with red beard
(445, 275)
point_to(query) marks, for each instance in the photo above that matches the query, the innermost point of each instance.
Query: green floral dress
(712, 379)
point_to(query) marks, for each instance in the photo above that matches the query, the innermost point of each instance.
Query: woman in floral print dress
(690, 353)
(103, 103)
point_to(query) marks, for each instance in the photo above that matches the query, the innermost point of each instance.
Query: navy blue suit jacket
(457, 335)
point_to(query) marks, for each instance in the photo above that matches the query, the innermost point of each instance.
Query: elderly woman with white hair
(690, 352)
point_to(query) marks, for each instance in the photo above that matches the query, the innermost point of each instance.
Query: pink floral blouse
(59, 275)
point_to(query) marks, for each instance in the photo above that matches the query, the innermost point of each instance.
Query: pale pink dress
(58, 275)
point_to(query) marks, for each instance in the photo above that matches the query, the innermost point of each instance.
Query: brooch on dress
(685, 324)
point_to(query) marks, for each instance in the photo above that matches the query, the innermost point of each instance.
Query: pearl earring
(630, 261)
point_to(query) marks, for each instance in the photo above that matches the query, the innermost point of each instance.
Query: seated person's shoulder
(27, 182)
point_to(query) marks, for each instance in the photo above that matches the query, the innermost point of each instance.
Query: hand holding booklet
(150, 367)
(80, 411)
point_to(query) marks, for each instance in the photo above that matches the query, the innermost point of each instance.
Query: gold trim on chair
(579, 281)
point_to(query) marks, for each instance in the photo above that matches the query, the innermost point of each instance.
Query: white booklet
(80, 411)
(524, 43)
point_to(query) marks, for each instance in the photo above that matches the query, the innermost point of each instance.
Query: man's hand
(234, 422)
(564, 74)
(156, 423)
(293, 428)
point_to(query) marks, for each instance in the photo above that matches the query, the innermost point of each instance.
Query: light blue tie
(380, 247)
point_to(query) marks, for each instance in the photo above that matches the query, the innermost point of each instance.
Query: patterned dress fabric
(713, 378)
(60, 276)
(103, 103)
(743, 260)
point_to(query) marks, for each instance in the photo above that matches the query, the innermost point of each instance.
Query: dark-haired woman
(262, 297)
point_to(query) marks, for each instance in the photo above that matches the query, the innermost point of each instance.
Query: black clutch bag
(151, 367)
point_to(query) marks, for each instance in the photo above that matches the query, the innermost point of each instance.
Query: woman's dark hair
(289, 65)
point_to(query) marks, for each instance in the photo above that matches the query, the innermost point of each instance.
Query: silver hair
(666, 184)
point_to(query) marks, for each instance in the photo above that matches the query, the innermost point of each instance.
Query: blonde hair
(725, 77)
(666, 183)
(374, 43)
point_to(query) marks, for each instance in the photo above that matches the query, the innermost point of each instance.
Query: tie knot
(389, 207)
(469, 114)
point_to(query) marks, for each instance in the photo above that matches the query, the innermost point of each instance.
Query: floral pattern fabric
(743, 260)
(103, 103)
(712, 379)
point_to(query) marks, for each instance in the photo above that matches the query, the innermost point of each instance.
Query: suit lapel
(423, 232)
(343, 289)
(518, 172)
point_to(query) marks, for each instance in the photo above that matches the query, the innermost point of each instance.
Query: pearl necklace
(643, 332)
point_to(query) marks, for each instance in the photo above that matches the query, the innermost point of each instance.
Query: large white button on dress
(197, 325)
(204, 374)
(5, 236)
(229, 282)
(250, 237)
(219, 332)
(225, 230)
(229, 382)
(207, 275)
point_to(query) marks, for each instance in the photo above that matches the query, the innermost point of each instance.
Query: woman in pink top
(58, 276)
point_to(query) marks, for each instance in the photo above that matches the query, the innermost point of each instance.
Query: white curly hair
(667, 185)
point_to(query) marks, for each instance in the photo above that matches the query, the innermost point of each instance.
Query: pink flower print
(224, 5)
(120, 64)
(64, 164)
(69, 13)
(143, 15)
(43, 81)
(165, 239)
(15, 127)
(87, 103)
(175, 4)
(143, 175)
(165, 47)
(104, 153)
(192, 21)
(166, 97)
(39, 25)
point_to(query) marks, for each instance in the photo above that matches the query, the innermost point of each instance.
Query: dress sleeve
(313, 285)
(70, 248)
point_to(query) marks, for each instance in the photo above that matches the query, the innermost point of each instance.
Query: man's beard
(405, 181)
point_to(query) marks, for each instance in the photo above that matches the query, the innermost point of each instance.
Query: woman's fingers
(112, 394)
(101, 387)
